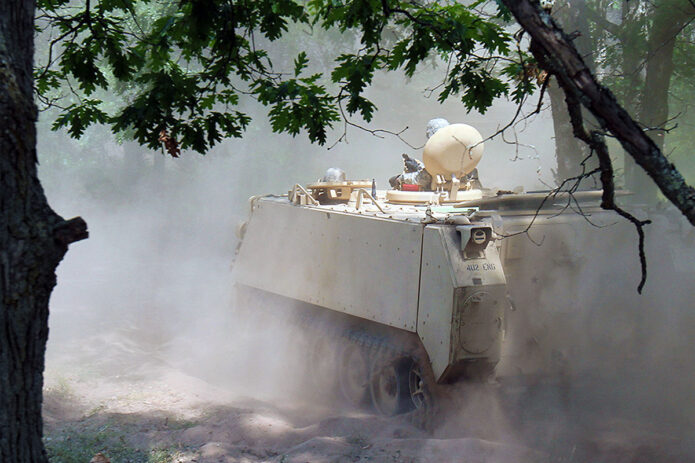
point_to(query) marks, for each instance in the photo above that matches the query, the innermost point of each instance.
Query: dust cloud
(592, 371)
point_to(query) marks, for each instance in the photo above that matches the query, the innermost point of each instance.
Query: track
(362, 363)
(374, 367)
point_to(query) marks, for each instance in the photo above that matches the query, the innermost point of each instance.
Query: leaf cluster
(474, 46)
(183, 67)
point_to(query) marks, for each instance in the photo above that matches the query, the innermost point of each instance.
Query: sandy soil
(103, 395)
(169, 409)
(156, 406)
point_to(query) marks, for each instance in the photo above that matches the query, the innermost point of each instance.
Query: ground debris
(100, 458)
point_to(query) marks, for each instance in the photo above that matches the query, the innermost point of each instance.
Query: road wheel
(388, 385)
(421, 389)
(416, 386)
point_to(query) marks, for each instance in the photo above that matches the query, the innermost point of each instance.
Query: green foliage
(473, 44)
(296, 104)
(523, 86)
(79, 446)
(77, 117)
(183, 67)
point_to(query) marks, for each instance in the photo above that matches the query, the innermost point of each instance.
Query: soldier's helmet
(435, 124)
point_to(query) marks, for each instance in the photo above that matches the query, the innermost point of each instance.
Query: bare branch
(557, 54)
(597, 144)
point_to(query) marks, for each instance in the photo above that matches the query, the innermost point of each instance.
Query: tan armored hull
(391, 268)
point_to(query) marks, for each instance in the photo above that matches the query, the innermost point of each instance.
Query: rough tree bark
(551, 46)
(33, 240)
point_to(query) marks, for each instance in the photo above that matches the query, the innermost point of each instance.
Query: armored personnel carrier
(405, 287)
(412, 285)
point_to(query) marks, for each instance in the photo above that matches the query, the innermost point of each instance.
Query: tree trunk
(668, 22)
(570, 152)
(33, 240)
(669, 19)
(632, 54)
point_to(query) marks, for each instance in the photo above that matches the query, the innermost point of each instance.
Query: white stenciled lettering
(487, 266)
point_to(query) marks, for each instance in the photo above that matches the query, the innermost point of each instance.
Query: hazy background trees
(643, 51)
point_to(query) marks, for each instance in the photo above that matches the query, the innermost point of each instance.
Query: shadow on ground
(172, 417)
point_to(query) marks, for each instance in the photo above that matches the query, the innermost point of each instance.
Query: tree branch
(552, 47)
(70, 231)
(597, 144)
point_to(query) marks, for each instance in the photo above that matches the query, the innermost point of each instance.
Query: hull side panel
(344, 262)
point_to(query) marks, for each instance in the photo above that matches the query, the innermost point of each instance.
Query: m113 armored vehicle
(405, 287)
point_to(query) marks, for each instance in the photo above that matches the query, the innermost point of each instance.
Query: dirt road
(103, 394)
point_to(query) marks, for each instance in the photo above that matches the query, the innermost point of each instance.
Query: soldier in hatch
(414, 174)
